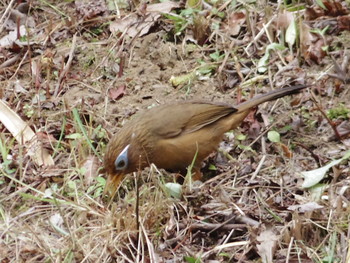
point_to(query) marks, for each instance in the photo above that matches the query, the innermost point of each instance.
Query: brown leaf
(315, 52)
(283, 20)
(333, 9)
(134, 26)
(343, 22)
(295, 101)
(306, 38)
(286, 152)
(234, 23)
(268, 242)
(201, 29)
(117, 93)
(90, 9)
(46, 139)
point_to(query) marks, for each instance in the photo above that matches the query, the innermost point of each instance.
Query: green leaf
(245, 148)
(241, 137)
(183, 79)
(216, 56)
(72, 185)
(265, 59)
(274, 136)
(193, 3)
(291, 34)
(320, 3)
(313, 177)
(174, 190)
(212, 167)
(187, 12)
(74, 136)
(192, 259)
(339, 112)
(317, 191)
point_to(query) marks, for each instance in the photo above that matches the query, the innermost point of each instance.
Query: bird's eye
(121, 163)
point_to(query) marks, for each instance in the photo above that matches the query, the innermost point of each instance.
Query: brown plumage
(170, 135)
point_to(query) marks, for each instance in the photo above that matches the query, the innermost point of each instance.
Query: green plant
(339, 112)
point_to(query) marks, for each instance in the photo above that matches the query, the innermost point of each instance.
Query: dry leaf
(24, 135)
(311, 206)
(344, 22)
(235, 22)
(90, 9)
(12, 37)
(283, 20)
(286, 152)
(268, 242)
(135, 25)
(117, 93)
(315, 51)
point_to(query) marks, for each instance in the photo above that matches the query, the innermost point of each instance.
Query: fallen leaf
(315, 51)
(135, 25)
(308, 207)
(306, 38)
(328, 8)
(234, 23)
(343, 22)
(283, 20)
(12, 38)
(268, 242)
(56, 221)
(24, 135)
(117, 93)
(286, 151)
(90, 9)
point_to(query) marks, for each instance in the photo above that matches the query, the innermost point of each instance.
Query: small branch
(331, 123)
(313, 155)
(211, 227)
(67, 66)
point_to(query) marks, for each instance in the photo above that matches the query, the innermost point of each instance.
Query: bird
(173, 136)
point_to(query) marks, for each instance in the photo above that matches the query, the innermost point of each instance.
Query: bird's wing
(188, 117)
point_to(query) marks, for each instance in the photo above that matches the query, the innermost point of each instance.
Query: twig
(137, 203)
(10, 61)
(211, 227)
(313, 155)
(259, 35)
(150, 246)
(67, 66)
(2, 19)
(331, 123)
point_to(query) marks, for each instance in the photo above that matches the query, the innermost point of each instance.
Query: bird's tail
(272, 95)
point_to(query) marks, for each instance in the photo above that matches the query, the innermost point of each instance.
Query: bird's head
(118, 162)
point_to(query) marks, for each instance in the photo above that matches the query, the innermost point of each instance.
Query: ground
(83, 69)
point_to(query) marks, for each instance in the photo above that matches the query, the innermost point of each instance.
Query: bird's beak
(112, 184)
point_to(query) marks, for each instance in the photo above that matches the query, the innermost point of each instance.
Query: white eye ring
(121, 163)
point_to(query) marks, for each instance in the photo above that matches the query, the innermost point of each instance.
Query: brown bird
(171, 135)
